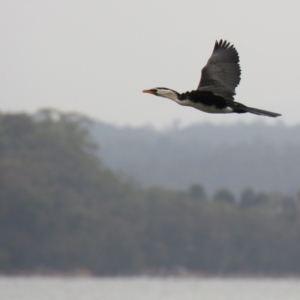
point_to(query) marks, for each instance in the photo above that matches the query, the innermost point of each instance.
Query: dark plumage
(222, 71)
(216, 90)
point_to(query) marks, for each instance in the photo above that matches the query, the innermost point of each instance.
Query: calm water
(41, 288)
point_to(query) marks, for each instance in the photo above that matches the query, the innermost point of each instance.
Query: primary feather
(222, 73)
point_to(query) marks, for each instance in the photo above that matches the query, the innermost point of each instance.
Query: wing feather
(222, 71)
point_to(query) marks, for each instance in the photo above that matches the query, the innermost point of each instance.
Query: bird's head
(163, 92)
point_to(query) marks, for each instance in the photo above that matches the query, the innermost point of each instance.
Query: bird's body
(216, 90)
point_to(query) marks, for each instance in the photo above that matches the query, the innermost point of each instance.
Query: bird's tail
(241, 108)
(261, 112)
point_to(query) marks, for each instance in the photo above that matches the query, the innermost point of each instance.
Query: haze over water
(143, 288)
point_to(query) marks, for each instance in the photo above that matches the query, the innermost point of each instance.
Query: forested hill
(236, 156)
(63, 211)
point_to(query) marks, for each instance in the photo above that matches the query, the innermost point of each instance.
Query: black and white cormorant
(216, 90)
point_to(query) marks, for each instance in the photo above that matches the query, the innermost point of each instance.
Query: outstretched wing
(222, 71)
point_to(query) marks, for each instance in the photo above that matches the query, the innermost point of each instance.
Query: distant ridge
(233, 156)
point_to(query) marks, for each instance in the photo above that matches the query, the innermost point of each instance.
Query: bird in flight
(216, 90)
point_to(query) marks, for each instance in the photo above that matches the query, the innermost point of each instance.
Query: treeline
(62, 210)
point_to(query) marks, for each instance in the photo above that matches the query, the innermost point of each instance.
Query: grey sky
(95, 57)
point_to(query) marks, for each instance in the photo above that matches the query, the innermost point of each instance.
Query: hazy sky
(96, 57)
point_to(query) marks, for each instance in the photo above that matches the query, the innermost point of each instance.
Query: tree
(197, 192)
(250, 198)
(224, 195)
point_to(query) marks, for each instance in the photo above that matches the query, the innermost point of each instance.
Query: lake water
(143, 288)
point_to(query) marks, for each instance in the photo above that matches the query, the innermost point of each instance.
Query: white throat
(168, 94)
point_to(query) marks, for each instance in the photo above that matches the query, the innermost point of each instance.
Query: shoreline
(82, 273)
